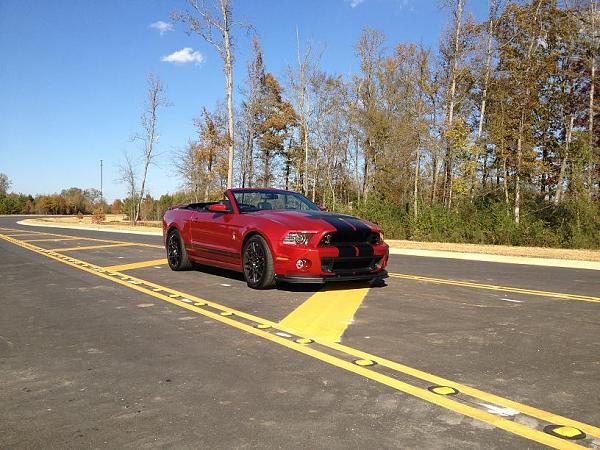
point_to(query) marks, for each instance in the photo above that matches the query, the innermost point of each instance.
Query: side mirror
(218, 208)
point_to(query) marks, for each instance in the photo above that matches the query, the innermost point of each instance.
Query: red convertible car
(274, 235)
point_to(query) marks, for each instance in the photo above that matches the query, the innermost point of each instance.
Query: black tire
(258, 263)
(177, 256)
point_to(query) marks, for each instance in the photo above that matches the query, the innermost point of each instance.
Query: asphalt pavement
(103, 346)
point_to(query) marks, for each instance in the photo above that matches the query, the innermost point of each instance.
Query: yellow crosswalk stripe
(326, 314)
(138, 265)
(93, 247)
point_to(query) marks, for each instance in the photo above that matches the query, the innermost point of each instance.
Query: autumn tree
(274, 131)
(203, 163)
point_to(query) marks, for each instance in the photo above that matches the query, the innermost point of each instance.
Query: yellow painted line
(25, 234)
(494, 287)
(258, 330)
(93, 247)
(139, 244)
(138, 265)
(326, 314)
(54, 239)
(470, 391)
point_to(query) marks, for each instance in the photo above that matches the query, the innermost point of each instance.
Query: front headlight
(298, 238)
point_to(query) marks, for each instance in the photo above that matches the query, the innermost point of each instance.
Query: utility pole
(101, 195)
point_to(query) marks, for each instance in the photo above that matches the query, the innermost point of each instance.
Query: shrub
(79, 215)
(98, 215)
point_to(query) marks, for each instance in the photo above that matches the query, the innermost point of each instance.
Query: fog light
(302, 264)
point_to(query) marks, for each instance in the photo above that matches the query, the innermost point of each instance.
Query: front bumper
(330, 263)
(326, 279)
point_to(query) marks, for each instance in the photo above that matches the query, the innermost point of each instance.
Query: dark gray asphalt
(87, 363)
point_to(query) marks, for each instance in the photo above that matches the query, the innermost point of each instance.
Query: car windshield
(259, 199)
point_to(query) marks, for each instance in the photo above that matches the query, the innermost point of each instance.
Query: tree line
(490, 137)
(69, 201)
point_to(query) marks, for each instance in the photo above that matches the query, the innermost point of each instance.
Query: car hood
(316, 220)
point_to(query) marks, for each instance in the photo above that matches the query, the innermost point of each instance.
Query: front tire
(177, 256)
(258, 264)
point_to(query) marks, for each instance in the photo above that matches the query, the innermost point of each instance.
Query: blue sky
(73, 75)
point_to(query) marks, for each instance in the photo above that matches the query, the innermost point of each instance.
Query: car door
(216, 236)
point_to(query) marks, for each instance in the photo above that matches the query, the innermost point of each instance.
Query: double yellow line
(494, 287)
(345, 357)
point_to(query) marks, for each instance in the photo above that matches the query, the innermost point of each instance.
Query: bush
(79, 215)
(98, 215)
(488, 220)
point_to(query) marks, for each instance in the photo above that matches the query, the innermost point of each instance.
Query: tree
(252, 105)
(116, 207)
(369, 49)
(203, 163)
(454, 56)
(149, 135)
(277, 118)
(128, 176)
(212, 20)
(299, 79)
(5, 184)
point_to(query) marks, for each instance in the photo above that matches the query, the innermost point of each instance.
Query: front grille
(352, 265)
(350, 237)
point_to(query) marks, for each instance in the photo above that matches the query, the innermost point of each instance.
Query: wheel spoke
(254, 262)
(173, 250)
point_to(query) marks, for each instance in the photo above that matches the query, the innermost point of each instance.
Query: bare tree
(187, 167)
(253, 98)
(298, 80)
(149, 136)
(128, 177)
(212, 20)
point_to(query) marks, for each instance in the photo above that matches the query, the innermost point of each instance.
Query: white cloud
(162, 27)
(355, 3)
(184, 56)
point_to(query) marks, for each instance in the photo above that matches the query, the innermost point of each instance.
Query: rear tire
(258, 263)
(177, 256)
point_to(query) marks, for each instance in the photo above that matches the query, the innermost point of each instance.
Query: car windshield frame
(239, 197)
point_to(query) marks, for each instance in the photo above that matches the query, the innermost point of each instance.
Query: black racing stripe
(365, 250)
(337, 221)
(346, 251)
(357, 223)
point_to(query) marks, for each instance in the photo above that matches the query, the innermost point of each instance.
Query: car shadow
(291, 287)
(217, 271)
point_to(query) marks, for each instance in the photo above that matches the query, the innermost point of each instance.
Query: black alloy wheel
(258, 264)
(176, 254)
